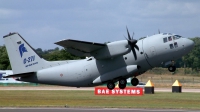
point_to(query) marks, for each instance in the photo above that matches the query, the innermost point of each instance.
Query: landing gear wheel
(122, 86)
(110, 85)
(134, 81)
(172, 68)
(122, 83)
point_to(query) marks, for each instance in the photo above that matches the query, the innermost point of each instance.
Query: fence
(166, 81)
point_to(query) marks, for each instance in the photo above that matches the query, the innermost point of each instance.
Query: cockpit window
(176, 37)
(169, 38)
(164, 33)
(169, 34)
(165, 39)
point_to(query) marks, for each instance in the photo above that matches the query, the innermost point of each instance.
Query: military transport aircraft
(106, 63)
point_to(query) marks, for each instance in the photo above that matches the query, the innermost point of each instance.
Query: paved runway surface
(86, 88)
(88, 110)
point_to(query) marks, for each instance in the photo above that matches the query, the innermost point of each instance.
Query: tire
(122, 81)
(134, 81)
(172, 68)
(110, 85)
(122, 86)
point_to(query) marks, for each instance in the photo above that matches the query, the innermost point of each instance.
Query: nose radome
(189, 44)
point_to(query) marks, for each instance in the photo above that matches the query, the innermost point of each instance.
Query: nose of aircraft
(189, 44)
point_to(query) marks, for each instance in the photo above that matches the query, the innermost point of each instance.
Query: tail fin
(23, 57)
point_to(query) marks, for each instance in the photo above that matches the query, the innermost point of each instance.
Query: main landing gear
(111, 85)
(122, 83)
(134, 81)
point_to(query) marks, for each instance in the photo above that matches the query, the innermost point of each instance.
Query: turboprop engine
(112, 49)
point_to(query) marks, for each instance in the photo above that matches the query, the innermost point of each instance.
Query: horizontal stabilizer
(20, 75)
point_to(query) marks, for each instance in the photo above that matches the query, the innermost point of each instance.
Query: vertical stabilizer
(23, 57)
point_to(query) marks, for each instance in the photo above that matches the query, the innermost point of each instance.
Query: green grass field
(33, 98)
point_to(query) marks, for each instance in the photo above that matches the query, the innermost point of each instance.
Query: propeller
(158, 31)
(132, 42)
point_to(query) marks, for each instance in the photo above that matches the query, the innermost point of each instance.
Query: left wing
(80, 48)
(97, 50)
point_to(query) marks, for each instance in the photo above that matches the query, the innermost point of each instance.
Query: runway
(84, 88)
(89, 110)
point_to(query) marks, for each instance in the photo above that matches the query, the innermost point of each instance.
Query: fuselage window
(165, 39)
(169, 38)
(174, 37)
(171, 46)
(175, 44)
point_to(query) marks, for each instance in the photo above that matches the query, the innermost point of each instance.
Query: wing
(80, 48)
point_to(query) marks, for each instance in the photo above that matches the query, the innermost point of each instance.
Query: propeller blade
(136, 47)
(129, 37)
(125, 38)
(132, 42)
(133, 35)
(134, 53)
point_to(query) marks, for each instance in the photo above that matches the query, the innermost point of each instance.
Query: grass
(62, 98)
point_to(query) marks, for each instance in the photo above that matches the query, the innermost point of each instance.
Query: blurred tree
(192, 59)
(4, 60)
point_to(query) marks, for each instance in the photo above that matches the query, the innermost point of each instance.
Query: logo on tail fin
(22, 50)
(1, 75)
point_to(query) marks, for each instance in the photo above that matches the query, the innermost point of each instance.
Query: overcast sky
(43, 22)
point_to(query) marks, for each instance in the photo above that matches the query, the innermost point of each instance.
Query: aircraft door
(153, 51)
(150, 51)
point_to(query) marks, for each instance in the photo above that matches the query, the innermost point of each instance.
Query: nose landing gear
(172, 68)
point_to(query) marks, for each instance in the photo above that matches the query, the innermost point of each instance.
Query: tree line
(191, 60)
(50, 55)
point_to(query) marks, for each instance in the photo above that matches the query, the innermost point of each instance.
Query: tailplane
(23, 57)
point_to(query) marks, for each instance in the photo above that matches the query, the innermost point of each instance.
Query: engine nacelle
(112, 49)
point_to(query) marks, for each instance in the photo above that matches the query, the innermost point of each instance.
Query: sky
(44, 22)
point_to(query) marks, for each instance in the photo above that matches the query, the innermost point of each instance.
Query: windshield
(176, 37)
